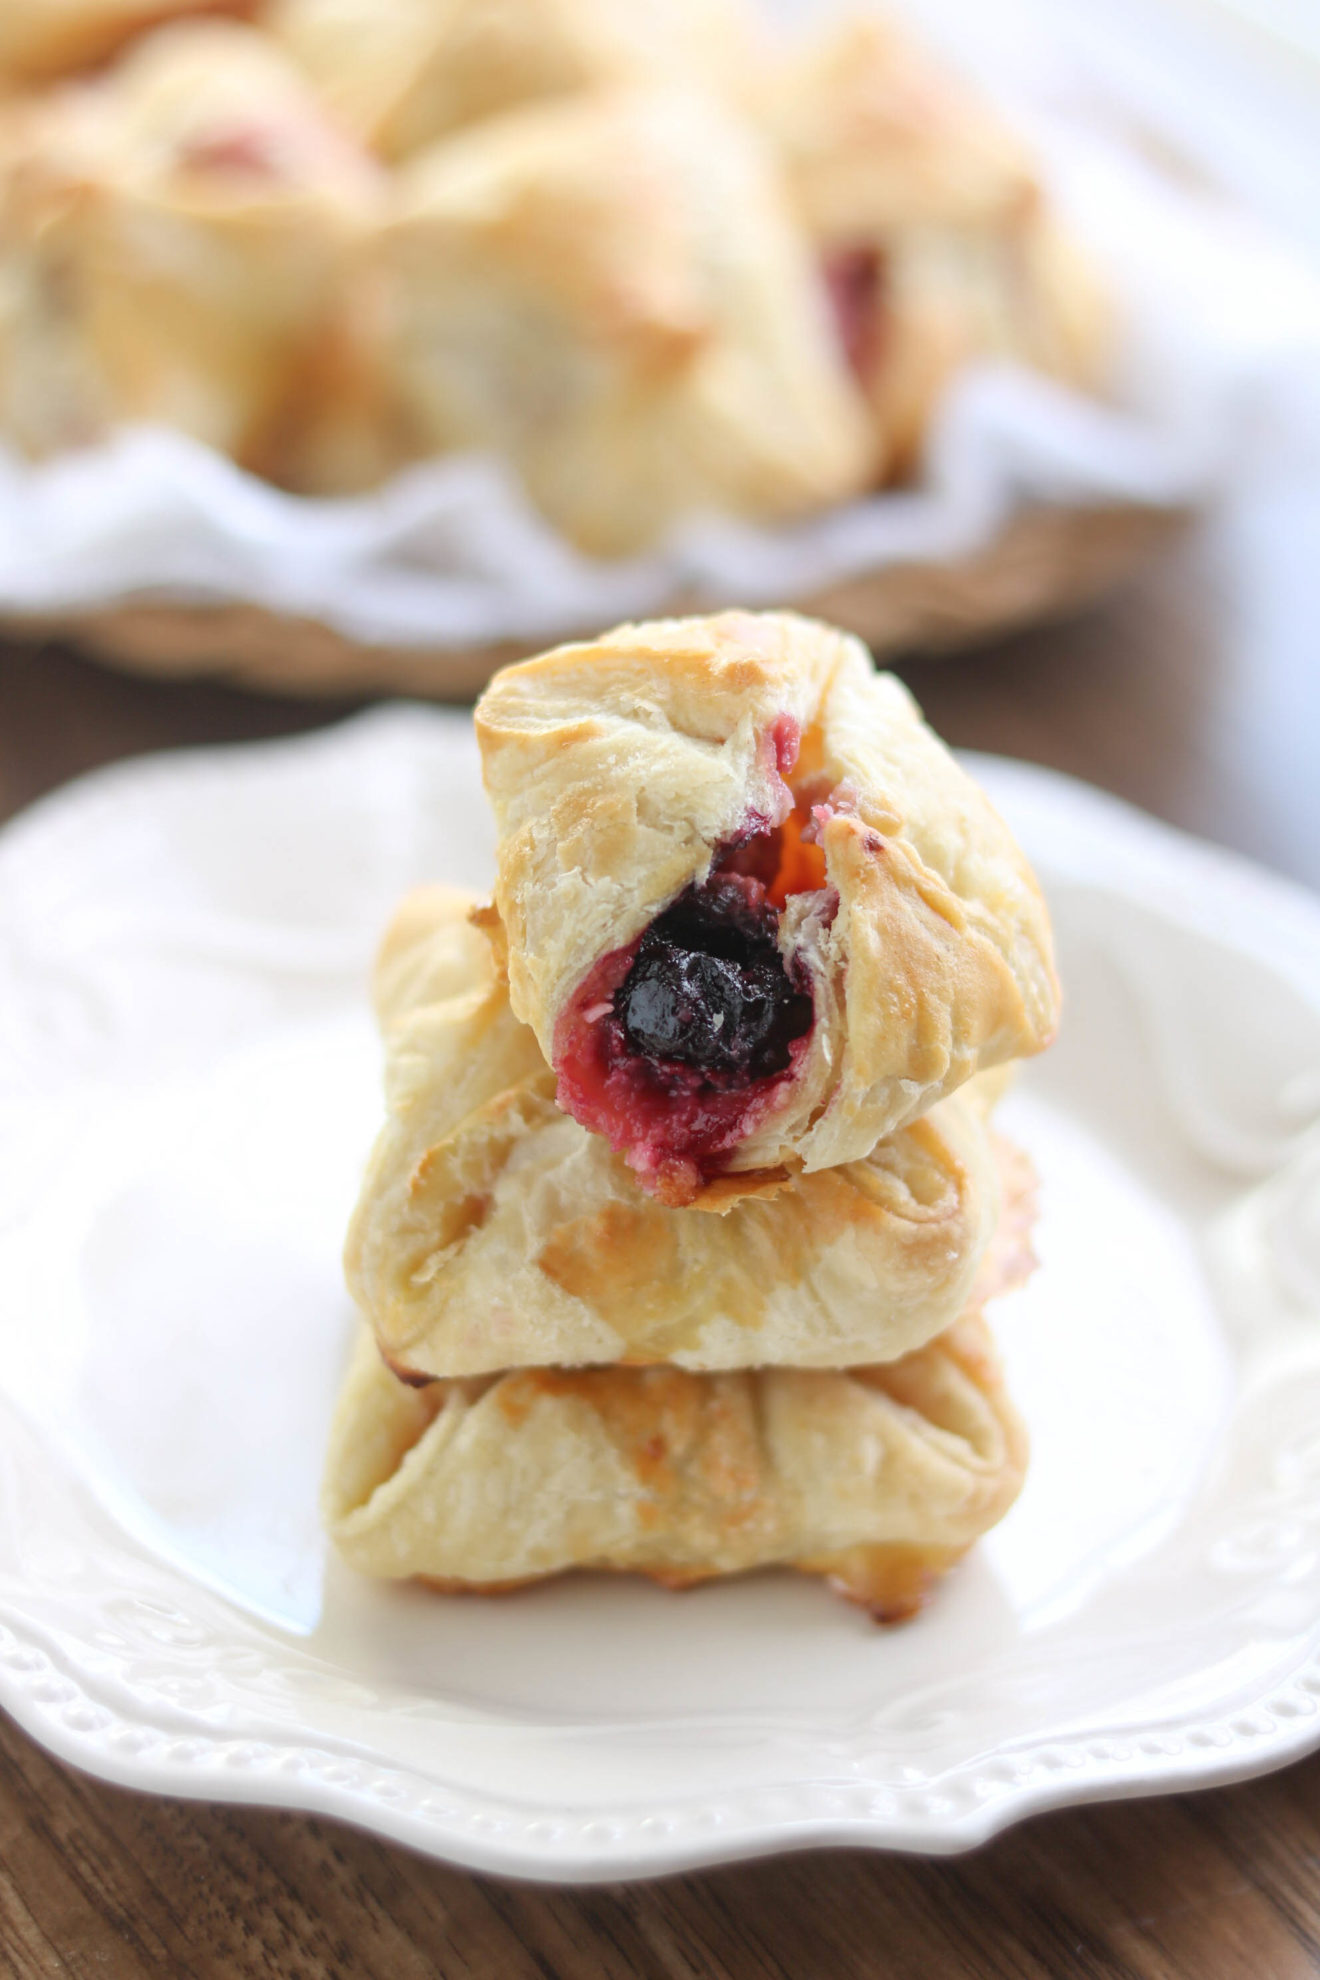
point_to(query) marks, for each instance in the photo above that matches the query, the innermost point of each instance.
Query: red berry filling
(253, 151)
(676, 1046)
(854, 278)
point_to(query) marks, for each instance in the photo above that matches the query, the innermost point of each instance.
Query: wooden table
(1195, 694)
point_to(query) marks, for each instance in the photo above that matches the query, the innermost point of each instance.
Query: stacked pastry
(659, 270)
(674, 1249)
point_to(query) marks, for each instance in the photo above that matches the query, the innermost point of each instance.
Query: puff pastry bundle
(573, 1357)
(748, 790)
(936, 239)
(610, 292)
(660, 273)
(178, 229)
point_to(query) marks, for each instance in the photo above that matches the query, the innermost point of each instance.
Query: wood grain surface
(1195, 694)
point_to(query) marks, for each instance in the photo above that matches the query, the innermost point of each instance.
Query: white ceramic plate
(187, 1088)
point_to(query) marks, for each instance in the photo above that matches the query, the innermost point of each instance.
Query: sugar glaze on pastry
(756, 915)
(493, 1231)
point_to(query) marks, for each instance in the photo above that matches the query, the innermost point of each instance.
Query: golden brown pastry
(874, 131)
(41, 39)
(936, 239)
(402, 73)
(176, 236)
(877, 1477)
(756, 915)
(610, 293)
(494, 1232)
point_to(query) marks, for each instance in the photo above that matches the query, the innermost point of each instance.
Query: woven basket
(1048, 561)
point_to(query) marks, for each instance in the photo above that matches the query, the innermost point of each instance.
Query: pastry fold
(610, 292)
(666, 763)
(493, 1231)
(404, 73)
(40, 39)
(179, 232)
(877, 1477)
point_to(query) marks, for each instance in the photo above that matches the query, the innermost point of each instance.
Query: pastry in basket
(40, 39)
(177, 233)
(494, 1232)
(936, 239)
(755, 913)
(879, 1478)
(610, 292)
(402, 73)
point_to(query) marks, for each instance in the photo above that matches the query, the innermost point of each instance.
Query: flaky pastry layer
(876, 1477)
(623, 769)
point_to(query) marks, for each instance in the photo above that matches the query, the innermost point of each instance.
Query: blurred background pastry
(935, 235)
(660, 272)
(41, 39)
(178, 233)
(403, 73)
(609, 293)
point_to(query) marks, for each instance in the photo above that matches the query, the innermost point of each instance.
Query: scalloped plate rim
(474, 1836)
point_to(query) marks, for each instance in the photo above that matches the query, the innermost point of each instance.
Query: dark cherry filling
(709, 988)
(675, 1047)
